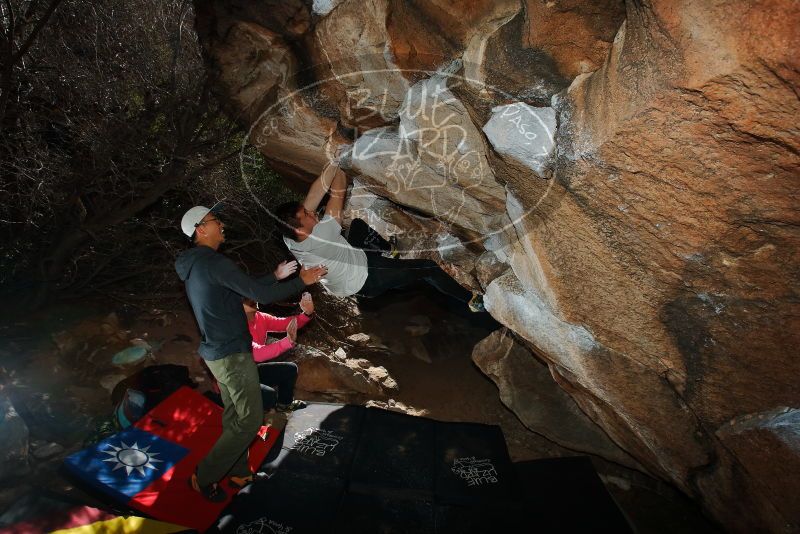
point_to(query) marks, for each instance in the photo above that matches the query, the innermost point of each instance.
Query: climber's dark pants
(390, 273)
(277, 382)
(363, 236)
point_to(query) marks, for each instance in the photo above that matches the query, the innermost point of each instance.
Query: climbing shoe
(393, 251)
(476, 303)
(296, 404)
(212, 492)
(240, 482)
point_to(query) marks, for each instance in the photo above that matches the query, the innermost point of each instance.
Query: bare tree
(21, 22)
(106, 109)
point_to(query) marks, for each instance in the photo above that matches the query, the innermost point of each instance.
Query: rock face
(321, 373)
(434, 160)
(522, 134)
(527, 388)
(648, 252)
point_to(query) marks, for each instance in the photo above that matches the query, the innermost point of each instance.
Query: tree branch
(40, 24)
(12, 58)
(12, 23)
(165, 182)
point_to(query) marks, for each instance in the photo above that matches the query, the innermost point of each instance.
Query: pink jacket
(263, 323)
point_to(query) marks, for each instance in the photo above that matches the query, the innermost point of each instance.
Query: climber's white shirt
(347, 266)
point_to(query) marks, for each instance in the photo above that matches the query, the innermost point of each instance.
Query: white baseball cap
(191, 219)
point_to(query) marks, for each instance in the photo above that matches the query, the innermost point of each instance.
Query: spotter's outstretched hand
(307, 304)
(284, 269)
(312, 275)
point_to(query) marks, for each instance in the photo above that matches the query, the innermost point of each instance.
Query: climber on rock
(358, 264)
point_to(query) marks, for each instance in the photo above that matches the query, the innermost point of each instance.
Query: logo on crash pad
(263, 525)
(316, 441)
(475, 472)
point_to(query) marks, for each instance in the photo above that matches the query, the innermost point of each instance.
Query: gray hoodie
(215, 287)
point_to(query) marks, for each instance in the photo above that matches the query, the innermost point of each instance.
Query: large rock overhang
(627, 196)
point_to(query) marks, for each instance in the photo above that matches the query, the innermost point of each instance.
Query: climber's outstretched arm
(320, 187)
(338, 193)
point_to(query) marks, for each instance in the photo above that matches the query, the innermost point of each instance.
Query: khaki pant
(237, 377)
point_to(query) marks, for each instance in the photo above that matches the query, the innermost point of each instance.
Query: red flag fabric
(194, 422)
(148, 466)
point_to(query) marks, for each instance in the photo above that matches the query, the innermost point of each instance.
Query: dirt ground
(428, 343)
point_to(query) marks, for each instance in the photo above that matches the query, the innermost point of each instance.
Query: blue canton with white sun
(126, 463)
(132, 457)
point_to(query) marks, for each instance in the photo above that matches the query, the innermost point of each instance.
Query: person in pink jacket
(261, 324)
(277, 378)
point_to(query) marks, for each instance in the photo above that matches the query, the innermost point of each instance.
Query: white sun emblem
(132, 457)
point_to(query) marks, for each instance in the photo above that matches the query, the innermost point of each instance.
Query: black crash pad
(472, 464)
(485, 517)
(319, 440)
(353, 469)
(286, 502)
(395, 456)
(369, 514)
(567, 495)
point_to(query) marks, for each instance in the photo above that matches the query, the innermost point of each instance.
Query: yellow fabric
(124, 525)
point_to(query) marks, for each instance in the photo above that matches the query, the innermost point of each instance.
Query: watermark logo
(428, 152)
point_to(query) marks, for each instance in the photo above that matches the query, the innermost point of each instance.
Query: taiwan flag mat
(147, 467)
